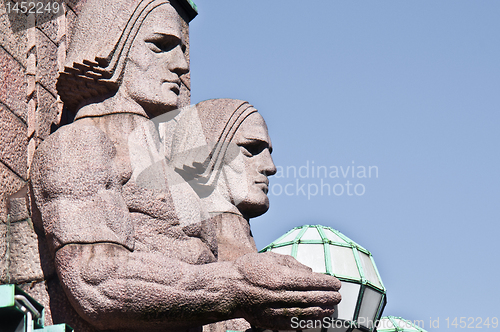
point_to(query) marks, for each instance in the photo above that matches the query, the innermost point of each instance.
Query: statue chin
(253, 210)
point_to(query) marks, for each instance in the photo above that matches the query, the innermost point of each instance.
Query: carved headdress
(220, 119)
(100, 44)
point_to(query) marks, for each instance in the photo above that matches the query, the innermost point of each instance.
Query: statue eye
(162, 43)
(252, 149)
(245, 151)
(154, 47)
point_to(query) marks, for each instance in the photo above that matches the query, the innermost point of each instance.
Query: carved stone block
(24, 258)
(48, 27)
(14, 42)
(70, 23)
(76, 5)
(17, 209)
(13, 85)
(14, 142)
(10, 183)
(46, 55)
(4, 263)
(47, 112)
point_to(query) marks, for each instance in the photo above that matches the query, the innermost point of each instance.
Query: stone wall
(31, 54)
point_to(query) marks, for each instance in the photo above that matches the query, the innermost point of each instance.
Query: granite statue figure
(128, 257)
(221, 147)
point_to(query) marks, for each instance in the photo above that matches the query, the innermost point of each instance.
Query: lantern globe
(328, 251)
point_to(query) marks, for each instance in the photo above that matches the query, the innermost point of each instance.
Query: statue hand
(279, 287)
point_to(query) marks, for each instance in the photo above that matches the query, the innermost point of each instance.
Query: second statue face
(156, 61)
(249, 192)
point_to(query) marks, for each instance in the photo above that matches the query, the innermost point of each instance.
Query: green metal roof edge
(56, 328)
(12, 290)
(5, 300)
(190, 8)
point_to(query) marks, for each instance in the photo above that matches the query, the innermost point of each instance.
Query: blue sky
(411, 87)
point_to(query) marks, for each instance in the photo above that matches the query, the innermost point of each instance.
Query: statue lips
(175, 86)
(264, 185)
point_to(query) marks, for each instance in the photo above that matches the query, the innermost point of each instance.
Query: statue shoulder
(76, 158)
(76, 187)
(74, 139)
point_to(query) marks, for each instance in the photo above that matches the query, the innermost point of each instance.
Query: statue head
(133, 48)
(248, 189)
(230, 171)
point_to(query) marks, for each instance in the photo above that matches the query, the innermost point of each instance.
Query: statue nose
(177, 62)
(268, 167)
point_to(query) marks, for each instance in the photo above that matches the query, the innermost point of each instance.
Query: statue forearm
(114, 288)
(149, 290)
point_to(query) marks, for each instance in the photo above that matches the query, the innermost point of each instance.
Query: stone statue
(133, 249)
(221, 147)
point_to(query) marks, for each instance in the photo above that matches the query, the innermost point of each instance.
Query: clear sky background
(411, 87)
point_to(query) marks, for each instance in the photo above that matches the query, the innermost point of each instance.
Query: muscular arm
(119, 289)
(110, 286)
(77, 186)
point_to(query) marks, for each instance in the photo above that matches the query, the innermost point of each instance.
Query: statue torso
(146, 192)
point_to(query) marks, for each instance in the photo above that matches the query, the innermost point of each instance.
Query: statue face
(156, 61)
(248, 189)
